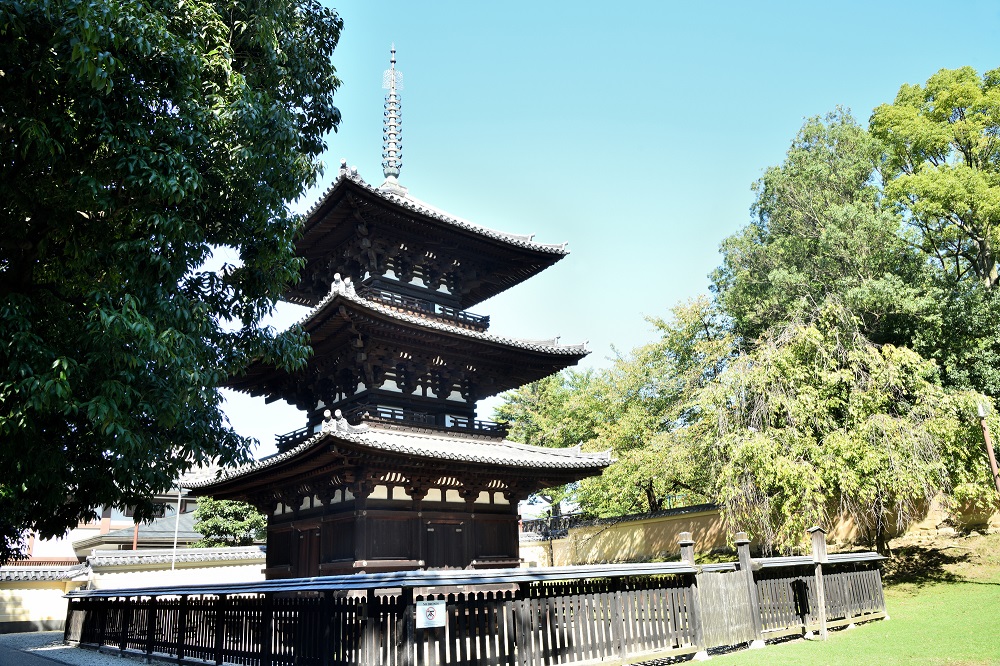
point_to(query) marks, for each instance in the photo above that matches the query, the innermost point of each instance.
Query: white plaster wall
(182, 575)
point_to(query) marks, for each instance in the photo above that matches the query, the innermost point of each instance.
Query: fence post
(522, 613)
(369, 651)
(70, 608)
(686, 543)
(819, 557)
(407, 635)
(220, 626)
(266, 613)
(326, 614)
(182, 628)
(126, 623)
(618, 619)
(746, 567)
(150, 628)
(104, 607)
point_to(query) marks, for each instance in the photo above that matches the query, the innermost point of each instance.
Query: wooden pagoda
(393, 470)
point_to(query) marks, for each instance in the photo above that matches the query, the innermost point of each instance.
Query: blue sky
(631, 130)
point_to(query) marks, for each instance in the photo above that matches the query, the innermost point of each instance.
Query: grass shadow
(917, 565)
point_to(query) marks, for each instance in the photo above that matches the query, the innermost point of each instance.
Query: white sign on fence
(430, 614)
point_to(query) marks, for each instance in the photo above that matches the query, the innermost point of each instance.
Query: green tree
(941, 165)
(633, 408)
(228, 523)
(135, 137)
(820, 228)
(942, 168)
(555, 411)
(818, 419)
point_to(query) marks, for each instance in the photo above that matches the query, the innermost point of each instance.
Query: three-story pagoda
(393, 470)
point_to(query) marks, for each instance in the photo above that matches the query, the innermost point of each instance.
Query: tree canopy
(224, 523)
(135, 137)
(837, 369)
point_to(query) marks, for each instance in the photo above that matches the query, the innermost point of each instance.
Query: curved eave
(554, 355)
(537, 256)
(323, 311)
(327, 450)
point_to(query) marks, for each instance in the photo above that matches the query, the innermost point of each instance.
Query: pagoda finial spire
(392, 143)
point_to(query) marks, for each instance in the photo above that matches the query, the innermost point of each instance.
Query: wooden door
(444, 545)
(307, 561)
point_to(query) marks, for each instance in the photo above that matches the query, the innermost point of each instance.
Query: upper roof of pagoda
(407, 451)
(343, 315)
(360, 230)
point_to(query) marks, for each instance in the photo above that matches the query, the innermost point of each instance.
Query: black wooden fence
(518, 617)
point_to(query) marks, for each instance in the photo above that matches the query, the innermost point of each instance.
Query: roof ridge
(418, 206)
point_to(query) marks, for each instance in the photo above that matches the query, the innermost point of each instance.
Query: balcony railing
(292, 439)
(399, 416)
(423, 306)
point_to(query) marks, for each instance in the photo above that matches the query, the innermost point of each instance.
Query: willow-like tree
(635, 409)
(818, 421)
(135, 137)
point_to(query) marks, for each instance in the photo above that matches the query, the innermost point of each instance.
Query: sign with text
(430, 614)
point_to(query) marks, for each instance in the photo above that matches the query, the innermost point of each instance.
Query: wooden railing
(423, 306)
(398, 415)
(292, 439)
(523, 617)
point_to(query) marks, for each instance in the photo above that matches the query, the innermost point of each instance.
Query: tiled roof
(344, 289)
(160, 529)
(27, 574)
(415, 205)
(435, 445)
(108, 558)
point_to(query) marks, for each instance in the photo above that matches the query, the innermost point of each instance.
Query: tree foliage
(820, 228)
(818, 419)
(631, 409)
(941, 164)
(135, 137)
(228, 523)
(942, 167)
(836, 371)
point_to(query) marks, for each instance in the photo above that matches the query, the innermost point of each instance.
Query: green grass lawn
(944, 605)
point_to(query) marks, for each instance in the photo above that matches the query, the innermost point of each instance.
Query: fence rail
(511, 617)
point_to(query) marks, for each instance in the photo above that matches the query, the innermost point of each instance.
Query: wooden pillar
(408, 614)
(70, 608)
(266, 614)
(326, 615)
(818, 535)
(103, 619)
(369, 625)
(151, 628)
(127, 614)
(618, 619)
(989, 447)
(361, 491)
(746, 568)
(182, 628)
(687, 544)
(220, 626)
(522, 612)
